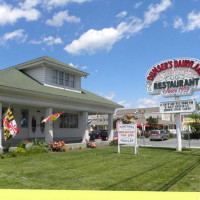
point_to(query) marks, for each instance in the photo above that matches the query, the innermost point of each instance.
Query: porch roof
(12, 78)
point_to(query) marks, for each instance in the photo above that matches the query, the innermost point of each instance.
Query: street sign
(180, 106)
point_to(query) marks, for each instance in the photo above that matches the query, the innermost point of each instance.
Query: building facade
(39, 88)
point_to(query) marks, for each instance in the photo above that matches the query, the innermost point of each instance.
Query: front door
(37, 128)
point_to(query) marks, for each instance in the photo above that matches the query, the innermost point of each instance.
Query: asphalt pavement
(168, 143)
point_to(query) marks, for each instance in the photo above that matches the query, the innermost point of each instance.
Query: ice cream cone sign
(130, 118)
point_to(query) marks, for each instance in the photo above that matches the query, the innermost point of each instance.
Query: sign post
(127, 135)
(175, 78)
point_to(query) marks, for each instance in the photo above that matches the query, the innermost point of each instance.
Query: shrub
(22, 144)
(91, 144)
(113, 143)
(80, 147)
(70, 148)
(20, 151)
(6, 149)
(37, 149)
(59, 146)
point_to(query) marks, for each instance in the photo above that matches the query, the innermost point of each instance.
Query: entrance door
(37, 128)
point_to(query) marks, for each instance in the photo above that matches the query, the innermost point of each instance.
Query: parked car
(102, 134)
(93, 135)
(115, 136)
(158, 135)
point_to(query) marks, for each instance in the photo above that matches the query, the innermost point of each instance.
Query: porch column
(110, 127)
(85, 127)
(1, 132)
(49, 127)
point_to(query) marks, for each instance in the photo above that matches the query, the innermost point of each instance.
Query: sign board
(180, 106)
(175, 77)
(127, 134)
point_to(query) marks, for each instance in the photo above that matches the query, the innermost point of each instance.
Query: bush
(37, 149)
(59, 146)
(113, 143)
(22, 144)
(91, 144)
(20, 151)
(80, 147)
(70, 148)
(6, 149)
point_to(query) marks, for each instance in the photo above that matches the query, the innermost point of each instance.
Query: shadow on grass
(128, 179)
(180, 176)
(161, 148)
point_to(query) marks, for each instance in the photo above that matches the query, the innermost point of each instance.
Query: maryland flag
(52, 117)
(9, 125)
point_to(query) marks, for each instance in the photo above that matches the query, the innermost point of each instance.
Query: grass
(153, 169)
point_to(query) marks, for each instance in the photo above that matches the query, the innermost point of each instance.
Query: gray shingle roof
(13, 78)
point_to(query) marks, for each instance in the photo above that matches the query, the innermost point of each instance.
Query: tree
(152, 122)
(115, 121)
(195, 125)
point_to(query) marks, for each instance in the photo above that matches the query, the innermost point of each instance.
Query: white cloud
(18, 35)
(28, 4)
(178, 22)
(148, 102)
(138, 4)
(84, 67)
(71, 64)
(122, 14)
(10, 14)
(110, 96)
(50, 41)
(60, 3)
(154, 11)
(165, 24)
(95, 40)
(125, 104)
(193, 22)
(61, 17)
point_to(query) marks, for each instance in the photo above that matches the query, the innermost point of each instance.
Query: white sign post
(127, 135)
(174, 78)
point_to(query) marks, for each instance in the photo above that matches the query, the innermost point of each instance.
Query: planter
(29, 144)
(98, 140)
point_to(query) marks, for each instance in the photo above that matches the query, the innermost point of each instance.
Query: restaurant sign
(181, 106)
(175, 77)
(127, 134)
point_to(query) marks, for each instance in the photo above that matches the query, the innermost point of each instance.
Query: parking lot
(168, 143)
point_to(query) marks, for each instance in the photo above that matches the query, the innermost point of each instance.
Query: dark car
(93, 135)
(103, 134)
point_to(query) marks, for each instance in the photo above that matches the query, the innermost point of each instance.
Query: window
(61, 78)
(64, 120)
(68, 120)
(73, 121)
(72, 81)
(55, 76)
(66, 79)
(24, 118)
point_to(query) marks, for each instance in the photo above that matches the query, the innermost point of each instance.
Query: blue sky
(115, 41)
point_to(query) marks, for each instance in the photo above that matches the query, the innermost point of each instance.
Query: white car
(158, 135)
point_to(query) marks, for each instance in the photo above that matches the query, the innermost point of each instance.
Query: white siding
(78, 83)
(36, 73)
(48, 76)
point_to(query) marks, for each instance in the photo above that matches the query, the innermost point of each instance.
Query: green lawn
(104, 169)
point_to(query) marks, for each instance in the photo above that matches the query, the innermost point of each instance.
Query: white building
(42, 87)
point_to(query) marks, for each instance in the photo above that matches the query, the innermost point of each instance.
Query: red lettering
(170, 63)
(196, 67)
(150, 78)
(159, 68)
(179, 63)
(191, 63)
(165, 65)
(175, 63)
